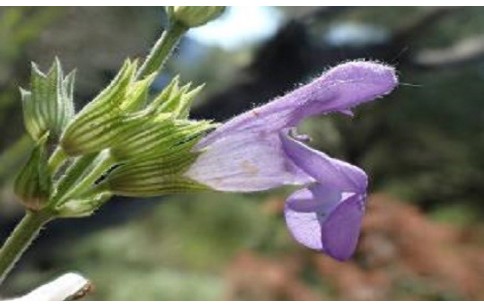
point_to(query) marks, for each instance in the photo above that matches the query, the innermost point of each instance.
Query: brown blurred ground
(402, 255)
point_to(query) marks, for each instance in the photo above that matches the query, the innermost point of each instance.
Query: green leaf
(33, 185)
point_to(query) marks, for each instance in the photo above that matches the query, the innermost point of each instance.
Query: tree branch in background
(463, 52)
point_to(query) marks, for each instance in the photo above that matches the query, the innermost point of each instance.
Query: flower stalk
(56, 160)
(103, 163)
(161, 50)
(21, 237)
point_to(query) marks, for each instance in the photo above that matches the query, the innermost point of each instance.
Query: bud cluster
(122, 142)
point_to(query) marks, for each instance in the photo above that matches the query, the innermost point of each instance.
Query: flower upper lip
(337, 90)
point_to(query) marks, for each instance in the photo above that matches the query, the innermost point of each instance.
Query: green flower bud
(49, 106)
(194, 16)
(33, 185)
(112, 121)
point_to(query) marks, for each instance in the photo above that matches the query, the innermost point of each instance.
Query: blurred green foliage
(177, 251)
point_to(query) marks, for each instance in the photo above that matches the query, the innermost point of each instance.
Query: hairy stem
(20, 239)
(161, 50)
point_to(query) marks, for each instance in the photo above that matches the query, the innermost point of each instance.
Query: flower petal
(315, 198)
(325, 220)
(324, 169)
(338, 89)
(341, 230)
(303, 222)
(251, 161)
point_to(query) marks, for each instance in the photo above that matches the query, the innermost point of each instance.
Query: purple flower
(259, 150)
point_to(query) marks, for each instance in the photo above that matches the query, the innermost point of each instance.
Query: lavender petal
(324, 169)
(338, 89)
(341, 230)
(246, 162)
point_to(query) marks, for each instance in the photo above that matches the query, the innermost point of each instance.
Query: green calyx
(157, 175)
(48, 106)
(193, 16)
(123, 142)
(92, 128)
(120, 143)
(121, 114)
(121, 119)
(33, 185)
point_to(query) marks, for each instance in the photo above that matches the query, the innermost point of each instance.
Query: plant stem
(161, 50)
(21, 237)
(56, 160)
(103, 162)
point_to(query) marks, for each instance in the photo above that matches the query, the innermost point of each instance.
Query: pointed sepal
(175, 99)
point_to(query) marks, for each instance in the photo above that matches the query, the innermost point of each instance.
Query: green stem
(56, 160)
(22, 236)
(74, 173)
(102, 164)
(161, 50)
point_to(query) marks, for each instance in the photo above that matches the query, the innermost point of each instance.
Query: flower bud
(194, 16)
(48, 106)
(33, 185)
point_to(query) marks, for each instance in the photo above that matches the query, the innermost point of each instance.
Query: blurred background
(423, 147)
